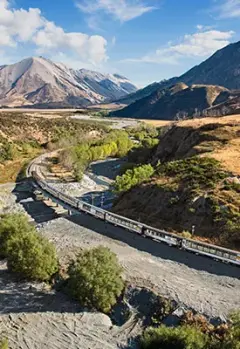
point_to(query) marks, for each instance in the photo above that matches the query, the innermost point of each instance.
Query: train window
(219, 253)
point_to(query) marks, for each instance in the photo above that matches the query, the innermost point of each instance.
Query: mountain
(40, 82)
(222, 68)
(146, 91)
(182, 100)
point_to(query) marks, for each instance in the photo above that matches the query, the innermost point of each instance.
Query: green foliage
(195, 172)
(95, 279)
(8, 151)
(116, 143)
(232, 186)
(184, 337)
(12, 226)
(4, 344)
(163, 308)
(133, 177)
(232, 340)
(143, 131)
(27, 253)
(32, 257)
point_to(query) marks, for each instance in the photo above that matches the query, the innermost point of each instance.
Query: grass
(14, 170)
(197, 166)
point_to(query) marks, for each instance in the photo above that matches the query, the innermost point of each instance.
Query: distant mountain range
(37, 81)
(213, 85)
(180, 101)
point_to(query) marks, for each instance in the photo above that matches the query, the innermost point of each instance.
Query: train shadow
(40, 212)
(154, 248)
(37, 209)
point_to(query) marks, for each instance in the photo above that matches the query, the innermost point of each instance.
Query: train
(208, 250)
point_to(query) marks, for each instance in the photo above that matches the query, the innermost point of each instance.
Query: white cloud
(228, 9)
(53, 38)
(123, 10)
(200, 44)
(30, 26)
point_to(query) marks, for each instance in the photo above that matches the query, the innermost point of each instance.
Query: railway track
(74, 205)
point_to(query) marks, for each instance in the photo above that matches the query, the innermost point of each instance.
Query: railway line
(159, 236)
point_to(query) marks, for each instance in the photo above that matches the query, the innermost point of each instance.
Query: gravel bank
(214, 295)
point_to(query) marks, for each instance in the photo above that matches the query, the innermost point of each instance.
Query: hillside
(222, 68)
(40, 82)
(146, 91)
(182, 100)
(18, 144)
(196, 182)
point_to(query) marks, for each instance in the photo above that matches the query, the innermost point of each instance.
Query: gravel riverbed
(33, 316)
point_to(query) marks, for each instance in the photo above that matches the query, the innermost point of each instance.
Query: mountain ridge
(181, 100)
(221, 69)
(37, 80)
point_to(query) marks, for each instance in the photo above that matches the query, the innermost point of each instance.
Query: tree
(133, 177)
(95, 279)
(32, 257)
(12, 225)
(184, 337)
(232, 340)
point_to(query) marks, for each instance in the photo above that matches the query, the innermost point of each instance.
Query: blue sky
(145, 40)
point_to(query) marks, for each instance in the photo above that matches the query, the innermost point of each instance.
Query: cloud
(122, 10)
(53, 38)
(200, 44)
(29, 26)
(228, 9)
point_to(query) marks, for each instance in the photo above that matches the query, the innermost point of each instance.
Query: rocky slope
(181, 100)
(41, 82)
(222, 68)
(196, 182)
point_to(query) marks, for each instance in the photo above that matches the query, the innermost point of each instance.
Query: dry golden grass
(211, 120)
(157, 123)
(228, 153)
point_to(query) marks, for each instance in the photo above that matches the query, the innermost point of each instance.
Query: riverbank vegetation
(23, 136)
(95, 279)
(28, 254)
(114, 143)
(195, 182)
(194, 332)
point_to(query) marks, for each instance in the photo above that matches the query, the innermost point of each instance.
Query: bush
(184, 337)
(4, 344)
(32, 257)
(95, 279)
(133, 177)
(232, 340)
(194, 172)
(11, 226)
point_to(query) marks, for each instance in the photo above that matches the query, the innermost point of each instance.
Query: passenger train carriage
(201, 248)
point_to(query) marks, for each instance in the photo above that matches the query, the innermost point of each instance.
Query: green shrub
(32, 257)
(8, 151)
(95, 279)
(133, 177)
(4, 344)
(232, 340)
(194, 172)
(11, 226)
(163, 337)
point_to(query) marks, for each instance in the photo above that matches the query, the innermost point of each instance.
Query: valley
(119, 205)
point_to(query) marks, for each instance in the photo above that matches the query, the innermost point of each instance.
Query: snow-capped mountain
(39, 81)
